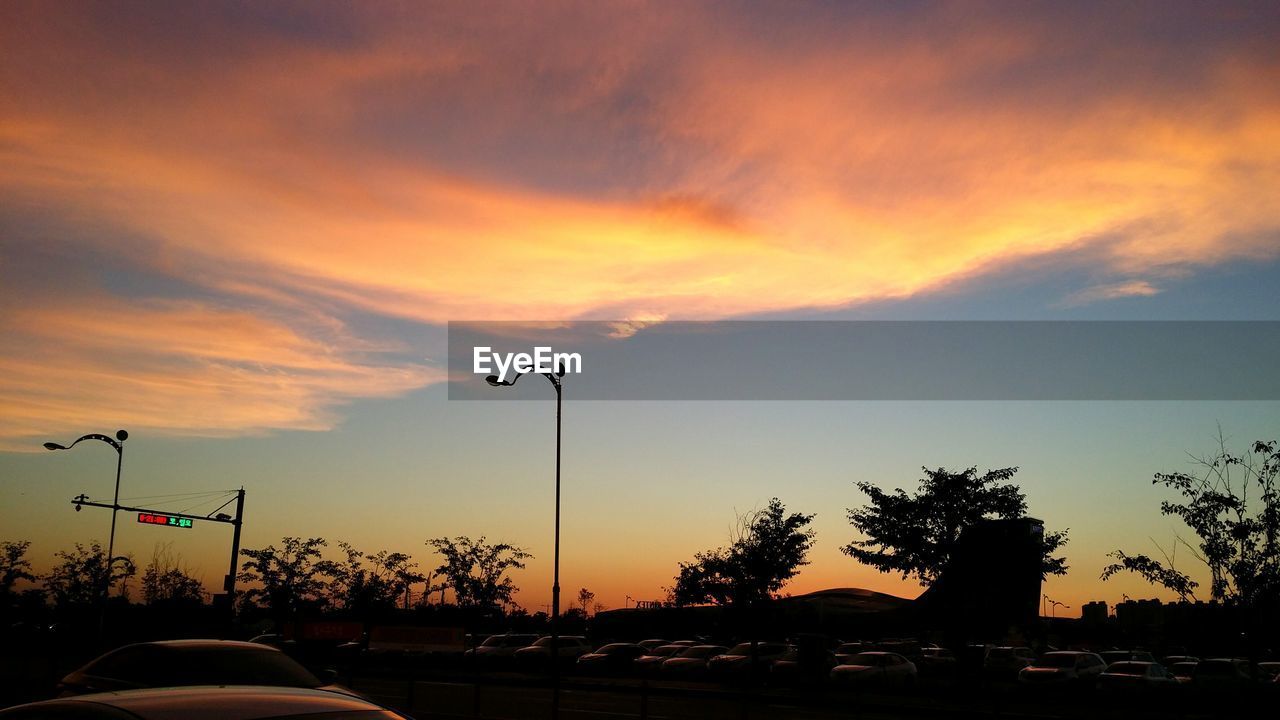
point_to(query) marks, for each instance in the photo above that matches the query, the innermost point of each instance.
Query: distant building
(1094, 613)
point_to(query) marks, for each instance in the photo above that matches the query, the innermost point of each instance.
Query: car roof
(218, 703)
(204, 644)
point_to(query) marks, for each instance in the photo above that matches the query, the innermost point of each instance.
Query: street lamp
(557, 383)
(118, 444)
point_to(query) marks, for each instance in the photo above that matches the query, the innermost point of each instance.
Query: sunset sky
(238, 231)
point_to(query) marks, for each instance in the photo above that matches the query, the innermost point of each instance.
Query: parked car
(611, 659)
(802, 664)
(1183, 671)
(876, 669)
(653, 643)
(498, 650)
(691, 662)
(1222, 675)
(177, 663)
(1171, 660)
(936, 662)
(240, 703)
(1268, 671)
(1133, 675)
(651, 661)
(736, 664)
(1115, 656)
(1063, 667)
(569, 649)
(845, 651)
(1004, 663)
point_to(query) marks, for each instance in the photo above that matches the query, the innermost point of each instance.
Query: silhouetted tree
(768, 549)
(366, 584)
(915, 534)
(166, 582)
(585, 597)
(1232, 504)
(14, 566)
(476, 570)
(79, 578)
(290, 579)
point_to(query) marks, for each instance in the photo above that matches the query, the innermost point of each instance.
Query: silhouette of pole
(118, 444)
(555, 380)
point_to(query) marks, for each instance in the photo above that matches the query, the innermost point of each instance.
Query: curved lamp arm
(115, 442)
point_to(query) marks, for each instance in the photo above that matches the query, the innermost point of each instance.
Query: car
(498, 650)
(1134, 675)
(651, 661)
(690, 662)
(1183, 671)
(1222, 675)
(936, 661)
(802, 664)
(1115, 656)
(569, 649)
(224, 702)
(844, 651)
(1006, 662)
(653, 643)
(611, 659)
(1063, 667)
(1268, 671)
(175, 663)
(737, 663)
(876, 669)
(1171, 660)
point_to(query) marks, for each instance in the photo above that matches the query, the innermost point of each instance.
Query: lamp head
(122, 435)
(494, 381)
(53, 446)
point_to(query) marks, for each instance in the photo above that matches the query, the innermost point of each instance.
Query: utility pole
(229, 583)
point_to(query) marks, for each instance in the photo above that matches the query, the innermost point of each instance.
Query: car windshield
(1127, 668)
(701, 651)
(615, 649)
(238, 666)
(1056, 661)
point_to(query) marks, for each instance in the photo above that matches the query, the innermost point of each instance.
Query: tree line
(1231, 505)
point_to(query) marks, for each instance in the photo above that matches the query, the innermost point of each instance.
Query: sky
(238, 230)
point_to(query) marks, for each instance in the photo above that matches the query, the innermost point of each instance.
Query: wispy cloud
(1110, 291)
(441, 162)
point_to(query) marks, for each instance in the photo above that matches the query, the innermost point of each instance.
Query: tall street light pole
(557, 383)
(118, 444)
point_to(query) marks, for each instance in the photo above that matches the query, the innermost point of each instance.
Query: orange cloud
(183, 368)
(630, 162)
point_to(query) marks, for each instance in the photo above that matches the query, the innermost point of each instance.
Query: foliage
(585, 598)
(166, 582)
(476, 570)
(82, 573)
(14, 566)
(289, 579)
(366, 584)
(915, 534)
(1233, 507)
(768, 549)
